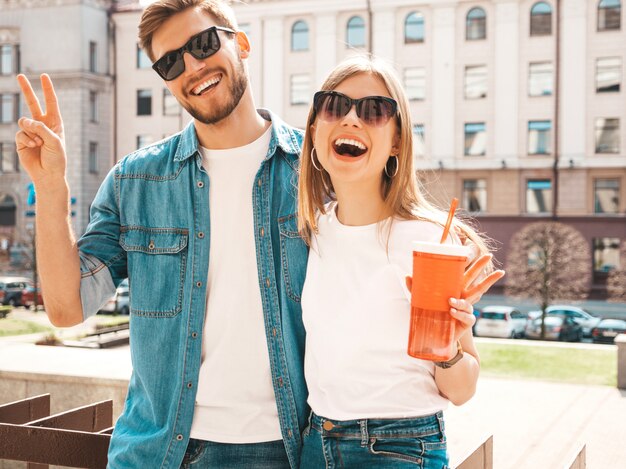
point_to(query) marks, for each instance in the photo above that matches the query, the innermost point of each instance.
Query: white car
(582, 317)
(118, 303)
(501, 321)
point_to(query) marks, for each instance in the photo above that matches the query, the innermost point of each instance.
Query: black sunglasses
(201, 46)
(372, 110)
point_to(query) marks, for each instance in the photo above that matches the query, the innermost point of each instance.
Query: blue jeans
(375, 443)
(209, 455)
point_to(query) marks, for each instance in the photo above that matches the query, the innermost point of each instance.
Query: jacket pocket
(157, 259)
(294, 254)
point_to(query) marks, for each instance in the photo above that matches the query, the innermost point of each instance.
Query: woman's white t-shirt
(356, 311)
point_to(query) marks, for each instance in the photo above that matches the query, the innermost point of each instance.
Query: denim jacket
(150, 222)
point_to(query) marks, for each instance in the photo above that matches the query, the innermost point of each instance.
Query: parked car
(12, 287)
(118, 303)
(607, 330)
(558, 327)
(501, 321)
(582, 317)
(28, 296)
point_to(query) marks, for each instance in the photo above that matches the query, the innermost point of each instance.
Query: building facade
(481, 76)
(70, 40)
(500, 91)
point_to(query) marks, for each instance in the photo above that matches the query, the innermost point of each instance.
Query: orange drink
(437, 276)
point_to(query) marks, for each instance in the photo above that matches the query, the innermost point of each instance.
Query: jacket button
(194, 335)
(262, 232)
(179, 437)
(151, 245)
(201, 234)
(274, 331)
(189, 385)
(200, 184)
(267, 282)
(328, 425)
(290, 433)
(198, 284)
(259, 183)
(280, 382)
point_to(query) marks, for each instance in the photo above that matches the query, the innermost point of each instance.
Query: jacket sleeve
(102, 259)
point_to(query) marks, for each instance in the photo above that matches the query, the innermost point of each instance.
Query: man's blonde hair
(160, 11)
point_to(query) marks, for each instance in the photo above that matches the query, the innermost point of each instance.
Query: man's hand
(41, 142)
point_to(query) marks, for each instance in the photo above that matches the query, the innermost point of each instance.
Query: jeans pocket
(404, 449)
(294, 254)
(195, 450)
(157, 259)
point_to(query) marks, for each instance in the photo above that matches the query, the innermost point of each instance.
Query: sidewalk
(535, 424)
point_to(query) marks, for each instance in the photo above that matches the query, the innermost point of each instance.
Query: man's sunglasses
(372, 110)
(201, 46)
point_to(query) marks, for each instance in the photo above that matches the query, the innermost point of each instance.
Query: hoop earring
(390, 176)
(313, 159)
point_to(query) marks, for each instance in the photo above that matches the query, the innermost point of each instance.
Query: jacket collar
(283, 136)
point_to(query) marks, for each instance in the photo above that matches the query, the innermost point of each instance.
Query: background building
(495, 102)
(70, 40)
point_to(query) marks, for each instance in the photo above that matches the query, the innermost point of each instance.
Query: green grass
(570, 365)
(111, 321)
(18, 327)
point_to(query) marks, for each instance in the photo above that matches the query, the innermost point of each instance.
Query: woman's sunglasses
(372, 110)
(201, 46)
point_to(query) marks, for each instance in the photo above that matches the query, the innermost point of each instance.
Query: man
(203, 225)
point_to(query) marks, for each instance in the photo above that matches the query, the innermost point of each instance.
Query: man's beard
(216, 113)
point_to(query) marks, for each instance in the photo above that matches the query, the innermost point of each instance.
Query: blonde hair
(158, 12)
(402, 193)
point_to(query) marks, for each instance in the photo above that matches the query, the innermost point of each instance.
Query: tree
(548, 261)
(616, 283)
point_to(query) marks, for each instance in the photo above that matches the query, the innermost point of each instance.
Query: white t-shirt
(356, 311)
(235, 402)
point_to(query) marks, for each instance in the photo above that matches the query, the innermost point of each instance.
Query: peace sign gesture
(41, 142)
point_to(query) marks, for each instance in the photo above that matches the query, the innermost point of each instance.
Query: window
(607, 135)
(475, 139)
(93, 56)
(539, 137)
(605, 254)
(475, 82)
(415, 83)
(170, 104)
(540, 79)
(93, 106)
(414, 28)
(609, 15)
(419, 140)
(476, 24)
(9, 108)
(143, 61)
(93, 157)
(300, 36)
(300, 89)
(538, 195)
(8, 59)
(608, 74)
(8, 158)
(606, 196)
(541, 19)
(144, 102)
(355, 33)
(475, 195)
(143, 140)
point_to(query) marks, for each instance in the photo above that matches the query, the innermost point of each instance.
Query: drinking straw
(446, 229)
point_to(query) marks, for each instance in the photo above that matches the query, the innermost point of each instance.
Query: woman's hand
(462, 309)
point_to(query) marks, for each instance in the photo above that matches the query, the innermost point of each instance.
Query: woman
(372, 404)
